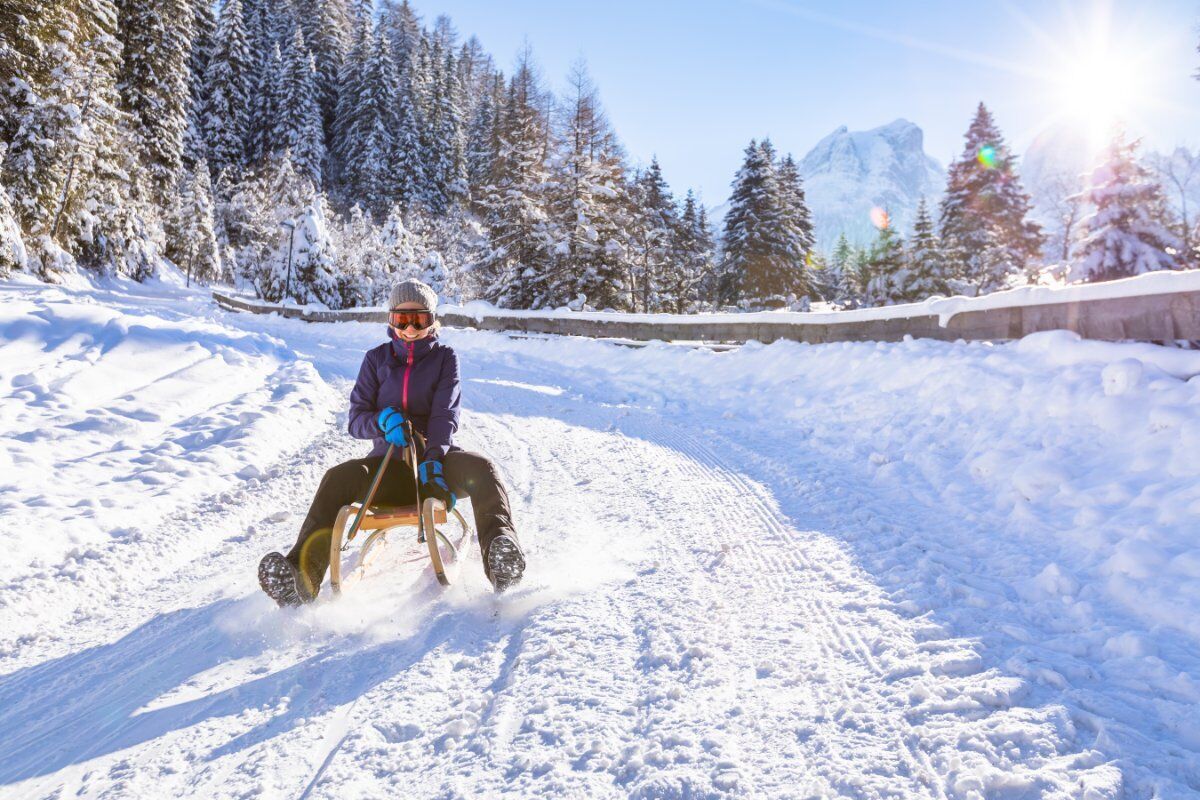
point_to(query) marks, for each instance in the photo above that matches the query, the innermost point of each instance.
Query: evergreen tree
(692, 250)
(302, 131)
(1124, 235)
(410, 178)
(797, 227)
(840, 274)
(447, 163)
(985, 234)
(195, 242)
(325, 28)
(271, 120)
(483, 141)
(156, 40)
(204, 29)
(514, 272)
(226, 118)
(71, 170)
(303, 265)
(763, 263)
(13, 256)
(402, 27)
(927, 274)
(887, 270)
(651, 268)
(586, 202)
(351, 87)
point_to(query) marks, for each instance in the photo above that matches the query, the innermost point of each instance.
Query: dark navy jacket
(422, 380)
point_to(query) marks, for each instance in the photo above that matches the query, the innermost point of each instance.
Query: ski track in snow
(710, 611)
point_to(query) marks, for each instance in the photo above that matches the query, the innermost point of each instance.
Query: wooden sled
(382, 519)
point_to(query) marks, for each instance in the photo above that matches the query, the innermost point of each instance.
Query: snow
(921, 569)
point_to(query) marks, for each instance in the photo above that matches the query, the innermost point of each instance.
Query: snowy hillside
(850, 172)
(869, 570)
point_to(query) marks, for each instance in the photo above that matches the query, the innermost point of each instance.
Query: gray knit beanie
(413, 291)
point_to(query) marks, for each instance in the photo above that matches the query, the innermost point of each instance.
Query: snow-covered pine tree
(985, 234)
(71, 168)
(475, 71)
(314, 258)
(797, 227)
(448, 179)
(13, 257)
(367, 123)
(410, 181)
(194, 247)
(692, 249)
(859, 275)
(650, 265)
(888, 272)
(483, 140)
(758, 261)
(326, 36)
(269, 122)
(302, 132)
(1124, 235)
(204, 30)
(156, 42)
(59, 79)
(400, 253)
(926, 268)
(839, 288)
(358, 259)
(351, 86)
(587, 201)
(402, 27)
(226, 117)
(515, 271)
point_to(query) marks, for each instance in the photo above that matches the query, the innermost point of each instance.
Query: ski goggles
(418, 318)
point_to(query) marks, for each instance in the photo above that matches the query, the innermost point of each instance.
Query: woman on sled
(412, 377)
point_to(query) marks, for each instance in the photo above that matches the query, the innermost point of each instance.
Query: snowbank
(114, 417)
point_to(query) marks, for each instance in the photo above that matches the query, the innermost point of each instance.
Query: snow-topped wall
(1161, 306)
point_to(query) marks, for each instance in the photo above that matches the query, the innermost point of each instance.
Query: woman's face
(409, 333)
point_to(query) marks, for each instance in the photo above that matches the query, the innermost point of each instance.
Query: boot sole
(277, 578)
(506, 564)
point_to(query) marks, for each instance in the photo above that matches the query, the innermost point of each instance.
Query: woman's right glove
(433, 484)
(391, 423)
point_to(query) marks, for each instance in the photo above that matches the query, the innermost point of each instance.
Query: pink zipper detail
(407, 372)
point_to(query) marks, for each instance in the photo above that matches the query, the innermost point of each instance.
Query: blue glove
(434, 485)
(391, 424)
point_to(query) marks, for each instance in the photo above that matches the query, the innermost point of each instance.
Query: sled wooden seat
(378, 517)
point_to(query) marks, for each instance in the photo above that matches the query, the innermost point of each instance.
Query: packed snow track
(912, 570)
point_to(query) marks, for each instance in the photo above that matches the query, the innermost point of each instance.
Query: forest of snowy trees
(317, 150)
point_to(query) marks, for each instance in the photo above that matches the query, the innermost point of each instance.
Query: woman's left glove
(433, 484)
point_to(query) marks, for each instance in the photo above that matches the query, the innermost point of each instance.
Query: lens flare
(987, 156)
(879, 218)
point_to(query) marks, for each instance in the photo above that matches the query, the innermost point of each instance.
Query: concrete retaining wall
(1152, 317)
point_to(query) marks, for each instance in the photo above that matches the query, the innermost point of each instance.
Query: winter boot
(280, 580)
(505, 562)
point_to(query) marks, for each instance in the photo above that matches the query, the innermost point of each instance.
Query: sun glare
(1098, 90)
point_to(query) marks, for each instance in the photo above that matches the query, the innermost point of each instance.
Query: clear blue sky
(693, 82)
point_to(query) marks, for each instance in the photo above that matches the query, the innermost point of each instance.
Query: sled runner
(380, 520)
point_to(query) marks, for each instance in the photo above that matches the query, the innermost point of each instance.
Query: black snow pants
(467, 474)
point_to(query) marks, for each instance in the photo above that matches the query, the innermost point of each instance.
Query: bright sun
(1098, 90)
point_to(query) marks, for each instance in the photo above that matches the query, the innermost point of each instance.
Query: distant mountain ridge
(850, 172)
